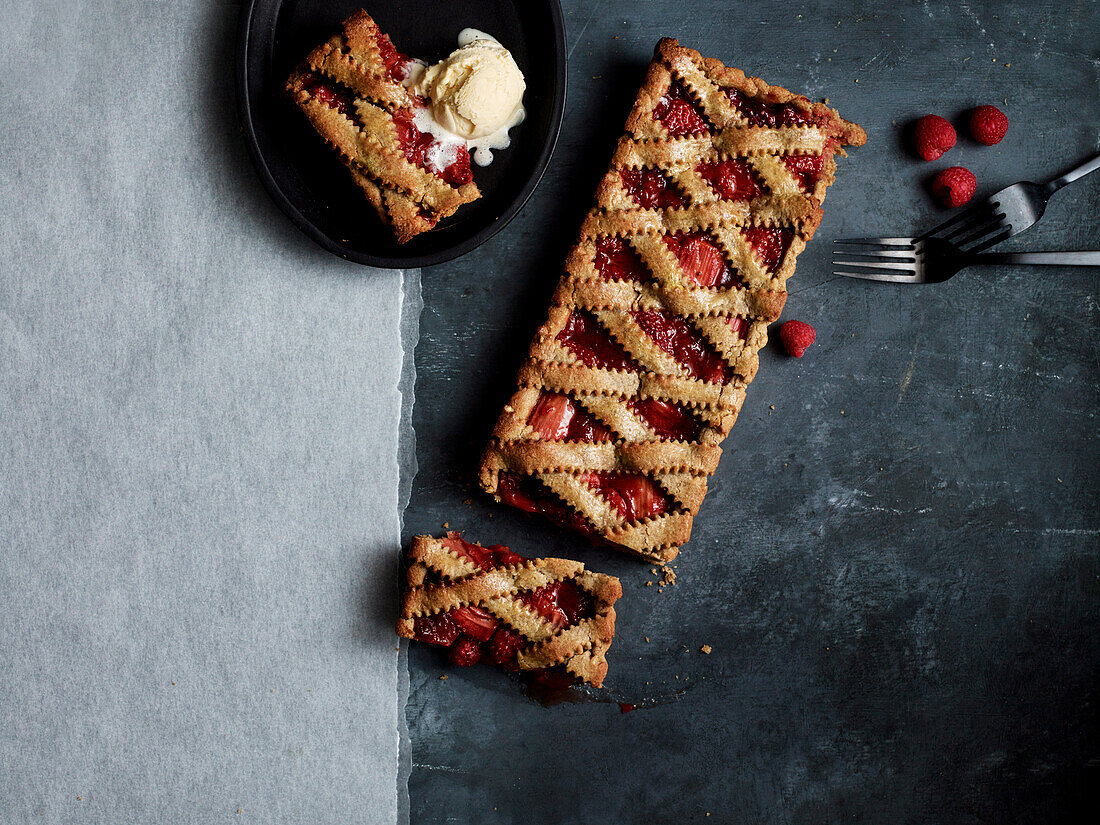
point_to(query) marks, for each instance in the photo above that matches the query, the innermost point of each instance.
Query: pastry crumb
(647, 639)
(705, 649)
(508, 408)
(668, 575)
(446, 526)
(443, 677)
(649, 584)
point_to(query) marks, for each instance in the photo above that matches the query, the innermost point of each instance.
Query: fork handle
(1082, 258)
(1073, 174)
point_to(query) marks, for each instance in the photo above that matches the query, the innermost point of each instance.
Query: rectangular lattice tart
(352, 90)
(549, 618)
(639, 372)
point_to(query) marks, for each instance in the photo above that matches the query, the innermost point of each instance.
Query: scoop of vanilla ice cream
(475, 91)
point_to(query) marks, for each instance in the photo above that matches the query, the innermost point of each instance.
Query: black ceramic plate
(312, 186)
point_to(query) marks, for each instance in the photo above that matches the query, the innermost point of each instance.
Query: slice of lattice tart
(351, 88)
(548, 617)
(637, 376)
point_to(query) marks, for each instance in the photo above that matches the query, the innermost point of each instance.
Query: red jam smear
(773, 115)
(321, 89)
(561, 603)
(769, 244)
(805, 168)
(683, 342)
(666, 419)
(731, 179)
(651, 189)
(591, 343)
(634, 497)
(527, 494)
(486, 558)
(616, 260)
(397, 64)
(417, 145)
(557, 417)
(701, 261)
(740, 326)
(678, 113)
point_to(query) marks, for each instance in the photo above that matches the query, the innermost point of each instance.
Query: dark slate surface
(897, 566)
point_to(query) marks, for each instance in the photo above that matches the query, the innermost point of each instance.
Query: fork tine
(895, 265)
(885, 252)
(879, 276)
(966, 217)
(878, 241)
(980, 233)
(1003, 235)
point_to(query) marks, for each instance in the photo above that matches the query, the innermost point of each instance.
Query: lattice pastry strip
(350, 89)
(654, 331)
(550, 616)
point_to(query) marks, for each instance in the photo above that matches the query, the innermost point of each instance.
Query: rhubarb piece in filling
(805, 168)
(701, 261)
(616, 260)
(769, 244)
(678, 113)
(666, 419)
(634, 497)
(557, 417)
(592, 344)
(731, 179)
(651, 189)
(684, 343)
(771, 115)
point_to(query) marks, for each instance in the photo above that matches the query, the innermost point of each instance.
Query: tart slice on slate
(352, 90)
(640, 370)
(548, 617)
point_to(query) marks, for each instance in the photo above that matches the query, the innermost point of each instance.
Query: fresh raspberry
(988, 125)
(465, 652)
(796, 336)
(954, 186)
(934, 136)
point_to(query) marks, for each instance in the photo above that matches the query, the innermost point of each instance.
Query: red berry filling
(439, 629)
(321, 89)
(666, 419)
(683, 342)
(558, 417)
(561, 603)
(397, 64)
(769, 243)
(503, 648)
(616, 260)
(731, 180)
(700, 259)
(590, 342)
(651, 189)
(451, 163)
(633, 497)
(740, 326)
(805, 168)
(484, 557)
(773, 115)
(527, 494)
(679, 114)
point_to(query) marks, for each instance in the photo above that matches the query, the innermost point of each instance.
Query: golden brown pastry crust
(680, 468)
(440, 579)
(408, 198)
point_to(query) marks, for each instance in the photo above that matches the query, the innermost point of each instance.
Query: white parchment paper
(199, 415)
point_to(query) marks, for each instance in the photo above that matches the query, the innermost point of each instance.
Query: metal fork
(932, 260)
(1005, 213)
